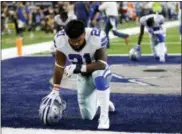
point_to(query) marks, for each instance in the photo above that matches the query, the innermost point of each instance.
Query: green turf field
(117, 45)
(40, 36)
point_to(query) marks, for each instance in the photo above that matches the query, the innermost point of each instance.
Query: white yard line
(6, 130)
(147, 43)
(45, 46)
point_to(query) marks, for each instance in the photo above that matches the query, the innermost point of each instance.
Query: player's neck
(79, 48)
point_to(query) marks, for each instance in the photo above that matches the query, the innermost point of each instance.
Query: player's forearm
(95, 66)
(58, 74)
(140, 38)
(141, 34)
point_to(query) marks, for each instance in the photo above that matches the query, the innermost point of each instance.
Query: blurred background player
(93, 88)
(81, 10)
(111, 10)
(24, 17)
(61, 19)
(95, 14)
(154, 24)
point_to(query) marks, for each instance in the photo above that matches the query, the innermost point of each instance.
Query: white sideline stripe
(7, 130)
(42, 47)
(172, 54)
(147, 43)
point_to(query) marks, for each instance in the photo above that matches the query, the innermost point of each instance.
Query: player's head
(150, 22)
(75, 30)
(63, 16)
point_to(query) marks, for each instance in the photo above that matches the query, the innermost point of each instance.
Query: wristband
(56, 87)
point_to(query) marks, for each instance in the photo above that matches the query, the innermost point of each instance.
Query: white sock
(103, 98)
(161, 50)
(165, 49)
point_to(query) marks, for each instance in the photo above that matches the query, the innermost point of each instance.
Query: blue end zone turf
(25, 82)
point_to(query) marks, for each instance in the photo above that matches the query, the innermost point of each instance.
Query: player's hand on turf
(137, 48)
(69, 70)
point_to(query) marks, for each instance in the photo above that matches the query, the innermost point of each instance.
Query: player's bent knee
(85, 110)
(161, 38)
(86, 114)
(100, 79)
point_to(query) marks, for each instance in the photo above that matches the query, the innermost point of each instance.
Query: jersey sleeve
(55, 18)
(99, 39)
(103, 39)
(143, 20)
(162, 19)
(59, 40)
(103, 6)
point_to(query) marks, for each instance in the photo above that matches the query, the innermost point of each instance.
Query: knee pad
(160, 38)
(101, 79)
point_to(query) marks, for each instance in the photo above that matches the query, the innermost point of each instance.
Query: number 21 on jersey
(79, 59)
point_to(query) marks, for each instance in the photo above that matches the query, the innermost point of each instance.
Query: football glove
(74, 69)
(53, 95)
(137, 48)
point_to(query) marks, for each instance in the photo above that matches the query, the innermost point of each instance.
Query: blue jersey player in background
(95, 14)
(111, 11)
(81, 10)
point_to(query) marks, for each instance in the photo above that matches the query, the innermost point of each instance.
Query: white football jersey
(158, 20)
(95, 39)
(111, 8)
(59, 21)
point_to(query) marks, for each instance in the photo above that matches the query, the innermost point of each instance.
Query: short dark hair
(150, 21)
(74, 29)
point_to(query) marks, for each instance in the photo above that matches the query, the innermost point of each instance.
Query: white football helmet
(51, 112)
(134, 54)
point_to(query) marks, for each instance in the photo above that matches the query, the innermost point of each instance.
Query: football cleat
(104, 122)
(111, 106)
